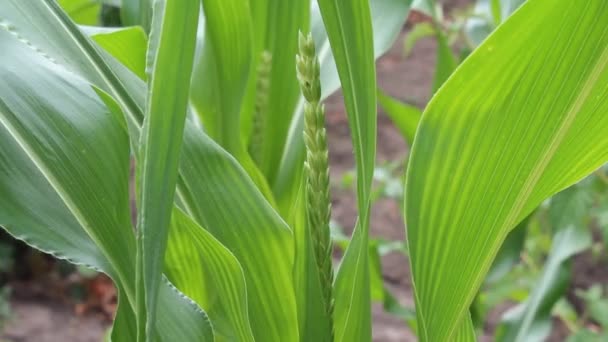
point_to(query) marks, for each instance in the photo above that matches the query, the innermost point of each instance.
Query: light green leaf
(127, 44)
(349, 28)
(170, 66)
(209, 274)
(404, 116)
(84, 12)
(503, 134)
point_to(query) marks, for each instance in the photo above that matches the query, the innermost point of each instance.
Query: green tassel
(318, 205)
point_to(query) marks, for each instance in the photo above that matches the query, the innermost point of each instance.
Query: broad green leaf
(404, 116)
(349, 29)
(173, 35)
(209, 274)
(65, 192)
(312, 315)
(218, 194)
(45, 151)
(84, 12)
(388, 17)
(481, 162)
(531, 320)
(128, 45)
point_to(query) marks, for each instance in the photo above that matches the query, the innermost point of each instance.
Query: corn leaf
(481, 162)
(209, 274)
(64, 192)
(60, 39)
(170, 63)
(44, 136)
(84, 12)
(126, 44)
(405, 117)
(349, 28)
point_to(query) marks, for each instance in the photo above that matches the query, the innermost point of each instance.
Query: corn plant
(225, 126)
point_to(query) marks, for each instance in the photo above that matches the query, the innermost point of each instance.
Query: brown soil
(47, 321)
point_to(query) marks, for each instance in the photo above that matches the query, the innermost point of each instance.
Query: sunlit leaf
(209, 274)
(349, 29)
(128, 45)
(173, 29)
(503, 134)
